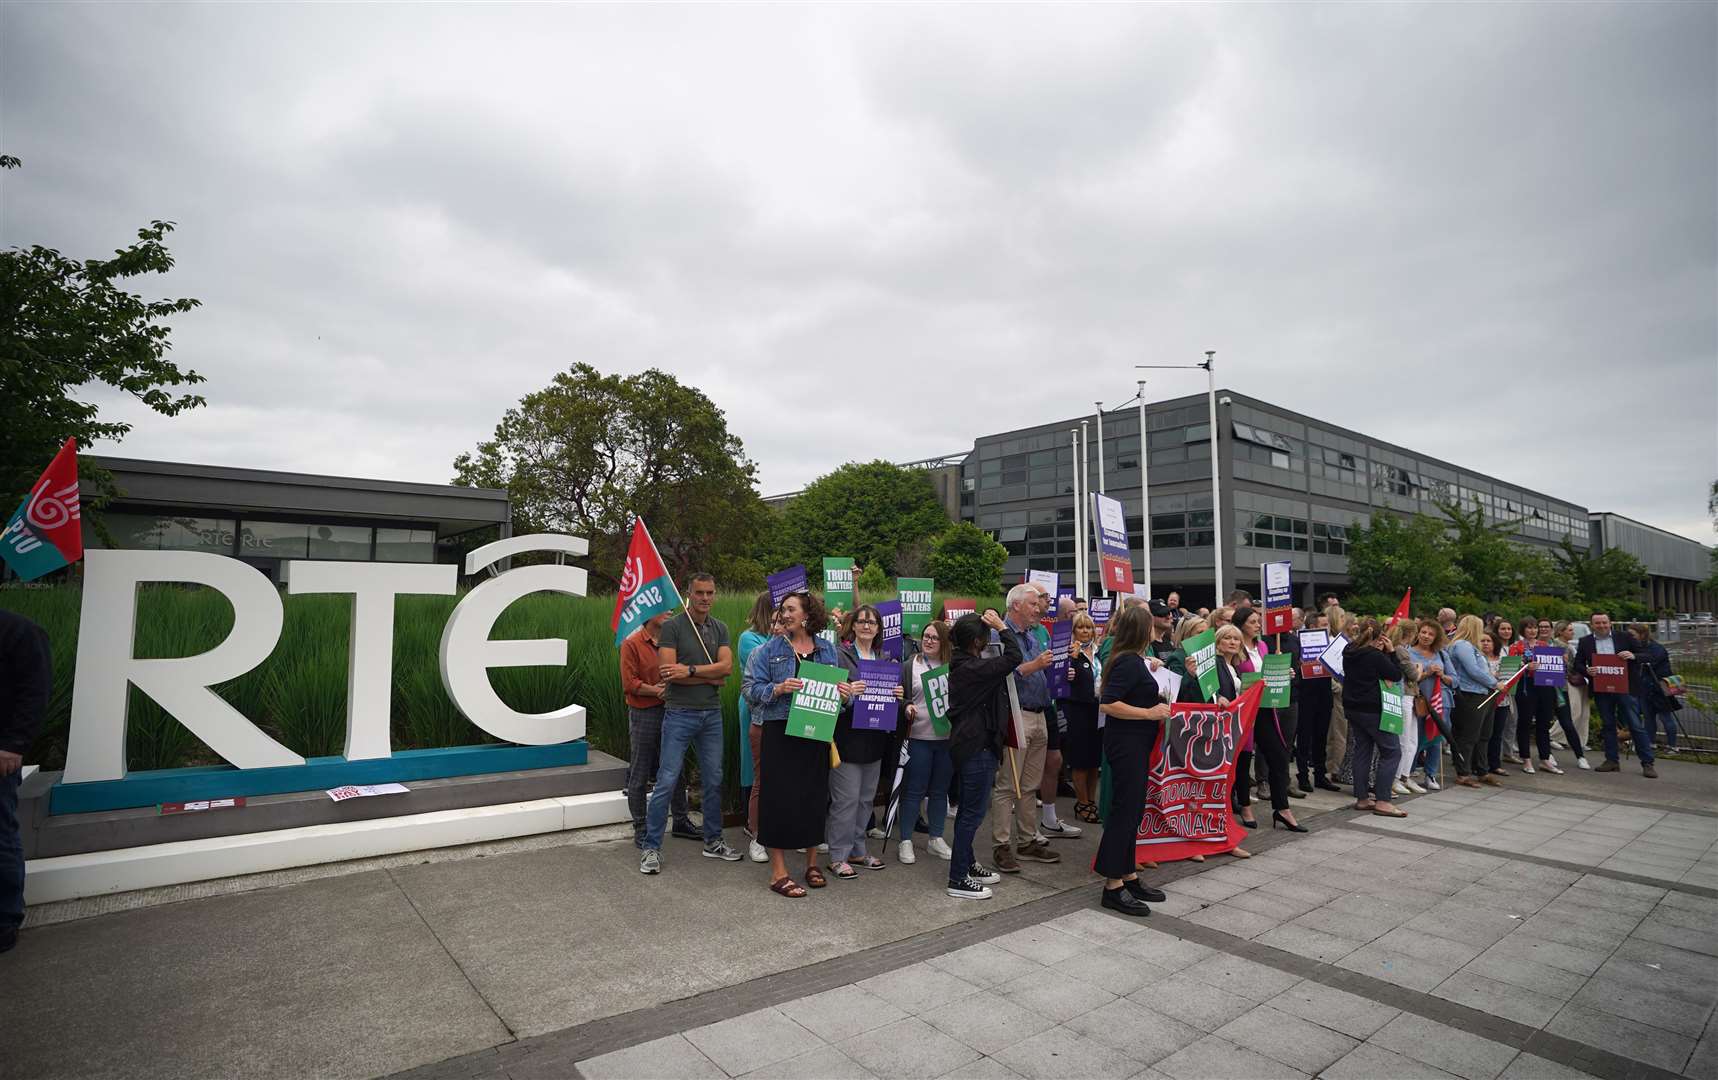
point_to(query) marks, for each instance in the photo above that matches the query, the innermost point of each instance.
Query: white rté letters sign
(106, 664)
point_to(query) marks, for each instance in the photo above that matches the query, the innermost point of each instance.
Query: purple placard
(890, 612)
(1549, 671)
(785, 583)
(1061, 645)
(1099, 609)
(876, 709)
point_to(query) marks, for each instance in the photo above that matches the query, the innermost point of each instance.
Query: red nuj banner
(1192, 773)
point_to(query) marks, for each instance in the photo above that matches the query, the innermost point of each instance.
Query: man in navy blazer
(1615, 709)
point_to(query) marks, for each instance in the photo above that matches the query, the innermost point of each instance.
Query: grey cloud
(1478, 231)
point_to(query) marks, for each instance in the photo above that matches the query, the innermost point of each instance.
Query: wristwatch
(691, 670)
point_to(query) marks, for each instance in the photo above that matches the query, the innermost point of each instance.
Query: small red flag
(1401, 609)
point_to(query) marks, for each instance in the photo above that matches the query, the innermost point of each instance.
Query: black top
(1621, 641)
(978, 699)
(1129, 681)
(1082, 687)
(1363, 668)
(864, 746)
(26, 678)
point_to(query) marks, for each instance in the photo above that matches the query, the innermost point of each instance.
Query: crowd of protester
(1011, 748)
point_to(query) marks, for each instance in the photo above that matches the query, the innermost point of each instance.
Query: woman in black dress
(1083, 744)
(1133, 710)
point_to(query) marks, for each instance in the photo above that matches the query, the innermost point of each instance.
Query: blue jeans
(11, 856)
(928, 770)
(682, 728)
(977, 777)
(1614, 711)
(1434, 756)
(1652, 720)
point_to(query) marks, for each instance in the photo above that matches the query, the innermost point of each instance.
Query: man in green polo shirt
(696, 660)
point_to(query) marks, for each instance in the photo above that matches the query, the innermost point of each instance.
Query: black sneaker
(685, 830)
(9, 939)
(1123, 901)
(983, 874)
(969, 889)
(1143, 891)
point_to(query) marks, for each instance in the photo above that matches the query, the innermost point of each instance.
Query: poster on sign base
(1278, 598)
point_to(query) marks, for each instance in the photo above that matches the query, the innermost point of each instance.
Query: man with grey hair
(1447, 620)
(1011, 802)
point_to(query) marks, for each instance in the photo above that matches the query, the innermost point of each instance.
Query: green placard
(915, 593)
(1202, 650)
(1279, 675)
(935, 682)
(815, 707)
(1248, 678)
(838, 583)
(1507, 666)
(1394, 717)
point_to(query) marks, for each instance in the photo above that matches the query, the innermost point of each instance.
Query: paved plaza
(1561, 927)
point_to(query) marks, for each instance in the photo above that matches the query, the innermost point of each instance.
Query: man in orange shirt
(642, 684)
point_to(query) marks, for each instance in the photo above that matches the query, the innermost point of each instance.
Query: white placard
(1331, 657)
(1168, 683)
(363, 791)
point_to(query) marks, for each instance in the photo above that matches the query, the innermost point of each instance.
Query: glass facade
(270, 539)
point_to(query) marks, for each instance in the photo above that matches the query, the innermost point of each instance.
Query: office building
(265, 517)
(1291, 487)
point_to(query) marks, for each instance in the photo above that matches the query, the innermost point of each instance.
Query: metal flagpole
(1086, 514)
(1074, 439)
(1100, 406)
(1210, 366)
(1144, 497)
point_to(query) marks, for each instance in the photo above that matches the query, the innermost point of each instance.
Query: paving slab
(1057, 996)
(1338, 1010)
(910, 1049)
(1212, 1057)
(1444, 1047)
(1139, 1032)
(753, 1040)
(670, 1056)
(1306, 1046)
(1062, 1054)
(337, 977)
(841, 1013)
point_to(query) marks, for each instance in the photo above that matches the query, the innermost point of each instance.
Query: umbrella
(894, 810)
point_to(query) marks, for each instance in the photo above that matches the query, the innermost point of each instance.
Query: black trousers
(1274, 739)
(1538, 708)
(1313, 727)
(1127, 748)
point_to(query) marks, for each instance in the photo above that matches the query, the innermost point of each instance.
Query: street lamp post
(1209, 364)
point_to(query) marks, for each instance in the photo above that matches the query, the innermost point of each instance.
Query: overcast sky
(1487, 231)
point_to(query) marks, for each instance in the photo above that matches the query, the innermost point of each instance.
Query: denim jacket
(770, 665)
(1472, 674)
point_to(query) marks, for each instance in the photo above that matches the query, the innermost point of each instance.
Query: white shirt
(1604, 646)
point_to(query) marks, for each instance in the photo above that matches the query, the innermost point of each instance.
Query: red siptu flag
(646, 589)
(46, 531)
(1401, 609)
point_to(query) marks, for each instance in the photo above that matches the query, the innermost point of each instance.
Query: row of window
(270, 539)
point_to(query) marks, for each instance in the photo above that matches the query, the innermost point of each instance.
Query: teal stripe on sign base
(317, 774)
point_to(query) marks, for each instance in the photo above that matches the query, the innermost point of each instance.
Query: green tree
(869, 511)
(873, 582)
(966, 559)
(589, 451)
(1712, 509)
(1611, 573)
(1488, 561)
(1394, 554)
(68, 326)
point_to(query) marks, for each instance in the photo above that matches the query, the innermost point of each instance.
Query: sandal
(1363, 806)
(787, 887)
(871, 862)
(1144, 866)
(1392, 812)
(1088, 813)
(844, 870)
(814, 877)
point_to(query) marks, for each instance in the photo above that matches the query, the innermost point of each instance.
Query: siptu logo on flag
(46, 532)
(646, 590)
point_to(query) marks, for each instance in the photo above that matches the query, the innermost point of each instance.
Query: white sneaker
(905, 853)
(939, 848)
(1581, 763)
(1432, 784)
(1061, 830)
(1557, 744)
(952, 811)
(1527, 767)
(823, 848)
(1413, 786)
(876, 834)
(755, 851)
(1399, 788)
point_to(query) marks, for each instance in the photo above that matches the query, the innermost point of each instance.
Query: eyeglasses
(865, 622)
